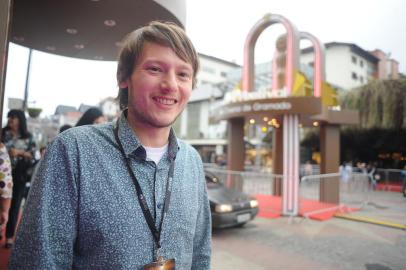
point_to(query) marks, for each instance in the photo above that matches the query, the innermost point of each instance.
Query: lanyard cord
(156, 233)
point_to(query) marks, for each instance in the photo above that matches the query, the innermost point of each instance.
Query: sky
(217, 28)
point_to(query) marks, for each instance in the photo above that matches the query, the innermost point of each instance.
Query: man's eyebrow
(184, 65)
(187, 66)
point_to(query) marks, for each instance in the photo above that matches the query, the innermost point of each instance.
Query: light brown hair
(166, 34)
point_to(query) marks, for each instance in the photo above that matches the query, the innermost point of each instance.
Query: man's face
(159, 87)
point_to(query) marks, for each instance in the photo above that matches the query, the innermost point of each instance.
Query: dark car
(228, 207)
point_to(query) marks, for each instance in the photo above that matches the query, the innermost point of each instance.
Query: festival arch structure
(288, 104)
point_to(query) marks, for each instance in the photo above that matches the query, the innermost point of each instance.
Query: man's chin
(154, 121)
(162, 124)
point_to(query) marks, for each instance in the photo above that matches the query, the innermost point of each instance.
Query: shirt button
(159, 205)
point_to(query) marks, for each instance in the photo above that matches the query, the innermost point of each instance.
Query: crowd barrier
(389, 178)
(249, 182)
(354, 191)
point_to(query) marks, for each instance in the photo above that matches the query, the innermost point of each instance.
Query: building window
(361, 79)
(209, 70)
(361, 63)
(223, 74)
(354, 76)
(353, 59)
(372, 71)
(311, 64)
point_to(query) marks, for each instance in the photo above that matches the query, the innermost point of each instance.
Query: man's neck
(148, 135)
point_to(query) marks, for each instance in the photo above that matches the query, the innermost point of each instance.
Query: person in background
(127, 194)
(345, 172)
(308, 168)
(64, 127)
(370, 171)
(21, 148)
(91, 116)
(6, 187)
(34, 171)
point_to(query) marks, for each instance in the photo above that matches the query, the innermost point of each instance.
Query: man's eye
(184, 75)
(154, 69)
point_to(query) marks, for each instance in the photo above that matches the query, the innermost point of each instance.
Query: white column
(290, 194)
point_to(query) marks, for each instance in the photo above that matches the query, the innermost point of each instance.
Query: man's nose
(169, 82)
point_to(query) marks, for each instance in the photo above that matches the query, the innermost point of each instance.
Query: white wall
(340, 67)
(211, 70)
(204, 119)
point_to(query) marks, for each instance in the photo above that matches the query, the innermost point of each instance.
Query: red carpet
(271, 207)
(4, 254)
(389, 187)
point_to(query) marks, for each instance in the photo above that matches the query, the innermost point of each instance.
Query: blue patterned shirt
(83, 212)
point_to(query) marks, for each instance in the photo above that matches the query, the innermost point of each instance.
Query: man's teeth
(165, 101)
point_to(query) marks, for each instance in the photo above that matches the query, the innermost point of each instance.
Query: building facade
(193, 124)
(387, 68)
(213, 70)
(349, 66)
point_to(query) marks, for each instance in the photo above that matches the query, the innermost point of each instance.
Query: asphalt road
(286, 244)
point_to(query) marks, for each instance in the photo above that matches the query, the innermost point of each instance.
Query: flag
(328, 95)
(302, 86)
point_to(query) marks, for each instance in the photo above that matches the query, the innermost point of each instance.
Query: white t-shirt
(155, 154)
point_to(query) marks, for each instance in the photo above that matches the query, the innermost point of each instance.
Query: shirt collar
(132, 145)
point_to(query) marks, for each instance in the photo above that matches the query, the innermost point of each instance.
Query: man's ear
(123, 84)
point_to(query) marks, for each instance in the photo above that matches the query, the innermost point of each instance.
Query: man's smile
(165, 100)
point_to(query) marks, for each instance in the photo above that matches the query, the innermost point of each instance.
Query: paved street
(307, 244)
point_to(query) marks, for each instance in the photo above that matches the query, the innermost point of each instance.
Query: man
(128, 194)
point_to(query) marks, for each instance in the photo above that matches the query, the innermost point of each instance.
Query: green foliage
(386, 146)
(34, 112)
(381, 135)
(381, 104)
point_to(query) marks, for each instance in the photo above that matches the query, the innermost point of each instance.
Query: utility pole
(27, 81)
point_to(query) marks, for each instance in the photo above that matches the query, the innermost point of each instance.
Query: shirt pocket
(182, 215)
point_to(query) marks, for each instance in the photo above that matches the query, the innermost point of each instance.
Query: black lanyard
(156, 233)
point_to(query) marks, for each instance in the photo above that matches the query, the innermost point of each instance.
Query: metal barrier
(354, 192)
(357, 191)
(389, 177)
(251, 183)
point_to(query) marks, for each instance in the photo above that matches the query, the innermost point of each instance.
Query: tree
(382, 131)
(381, 104)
